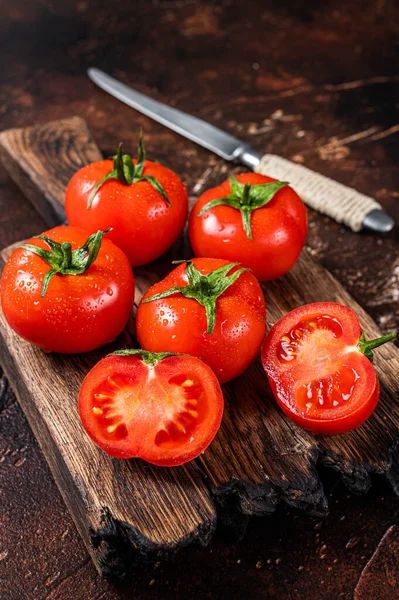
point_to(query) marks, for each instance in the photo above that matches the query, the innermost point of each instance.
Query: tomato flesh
(318, 374)
(166, 413)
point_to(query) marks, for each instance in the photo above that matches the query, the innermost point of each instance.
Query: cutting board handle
(42, 159)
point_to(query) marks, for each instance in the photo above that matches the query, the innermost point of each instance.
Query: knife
(321, 193)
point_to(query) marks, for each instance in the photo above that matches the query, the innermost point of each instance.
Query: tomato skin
(332, 426)
(319, 357)
(143, 225)
(278, 230)
(179, 324)
(143, 412)
(78, 312)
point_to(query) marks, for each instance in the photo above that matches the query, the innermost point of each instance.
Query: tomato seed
(101, 397)
(112, 383)
(187, 383)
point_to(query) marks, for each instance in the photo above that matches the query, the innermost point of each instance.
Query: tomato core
(178, 401)
(294, 341)
(313, 348)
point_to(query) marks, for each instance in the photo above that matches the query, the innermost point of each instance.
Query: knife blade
(321, 193)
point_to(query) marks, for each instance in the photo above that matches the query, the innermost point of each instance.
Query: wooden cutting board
(127, 510)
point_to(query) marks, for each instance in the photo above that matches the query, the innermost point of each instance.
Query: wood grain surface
(314, 82)
(125, 509)
(116, 505)
(29, 154)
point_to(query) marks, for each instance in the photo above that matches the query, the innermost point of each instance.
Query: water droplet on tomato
(110, 291)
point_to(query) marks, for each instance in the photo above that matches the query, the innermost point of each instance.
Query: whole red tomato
(253, 219)
(208, 308)
(68, 293)
(319, 368)
(145, 203)
(163, 408)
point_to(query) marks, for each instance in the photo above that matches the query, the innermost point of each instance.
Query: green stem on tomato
(65, 261)
(67, 255)
(125, 171)
(246, 198)
(367, 347)
(205, 289)
(150, 358)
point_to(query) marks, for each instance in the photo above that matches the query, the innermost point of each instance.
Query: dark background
(313, 81)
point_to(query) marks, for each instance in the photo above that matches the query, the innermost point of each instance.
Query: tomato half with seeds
(163, 408)
(320, 368)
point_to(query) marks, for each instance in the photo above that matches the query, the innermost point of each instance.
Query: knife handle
(321, 193)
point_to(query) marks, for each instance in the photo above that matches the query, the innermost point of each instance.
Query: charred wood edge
(357, 476)
(119, 547)
(115, 546)
(261, 498)
(251, 499)
(238, 501)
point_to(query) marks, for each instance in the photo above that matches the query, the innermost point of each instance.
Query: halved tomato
(163, 408)
(319, 368)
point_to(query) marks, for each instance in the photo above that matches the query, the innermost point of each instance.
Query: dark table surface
(312, 81)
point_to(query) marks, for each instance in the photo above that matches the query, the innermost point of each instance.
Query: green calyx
(205, 289)
(367, 347)
(246, 198)
(150, 358)
(128, 173)
(65, 261)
